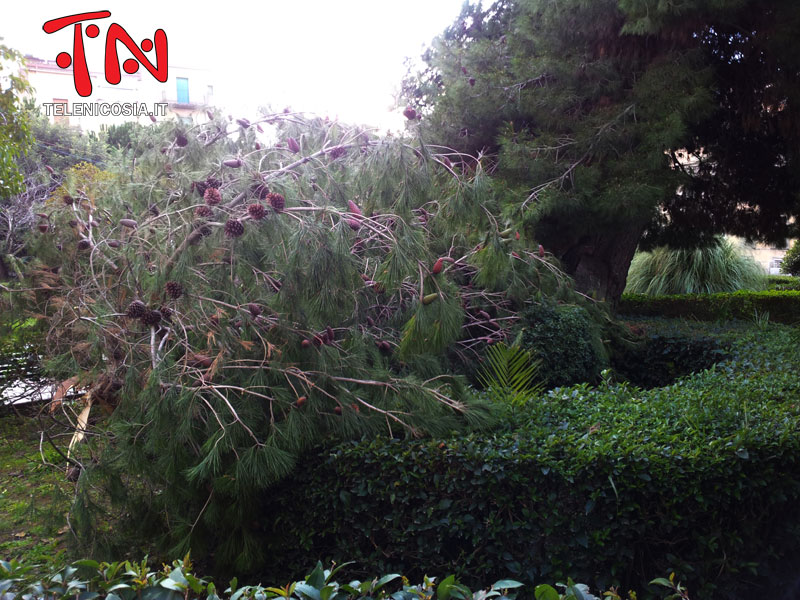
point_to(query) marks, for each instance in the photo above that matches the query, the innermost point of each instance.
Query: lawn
(34, 496)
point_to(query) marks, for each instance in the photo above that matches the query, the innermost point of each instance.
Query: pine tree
(583, 107)
(226, 345)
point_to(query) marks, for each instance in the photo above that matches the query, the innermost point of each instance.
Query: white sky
(340, 58)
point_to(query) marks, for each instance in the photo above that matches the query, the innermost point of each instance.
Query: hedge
(783, 282)
(607, 485)
(782, 306)
(90, 580)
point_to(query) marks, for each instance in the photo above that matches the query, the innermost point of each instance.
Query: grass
(718, 268)
(34, 497)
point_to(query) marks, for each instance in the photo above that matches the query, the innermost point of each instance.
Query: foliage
(233, 305)
(585, 107)
(606, 484)
(59, 147)
(566, 341)
(55, 149)
(15, 136)
(782, 307)
(783, 283)
(791, 260)
(510, 374)
(666, 350)
(719, 267)
(125, 135)
(128, 580)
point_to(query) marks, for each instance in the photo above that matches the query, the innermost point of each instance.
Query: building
(185, 96)
(769, 257)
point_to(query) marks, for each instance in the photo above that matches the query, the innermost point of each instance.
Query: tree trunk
(599, 262)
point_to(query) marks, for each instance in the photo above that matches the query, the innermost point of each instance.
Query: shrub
(720, 267)
(666, 351)
(791, 260)
(130, 580)
(566, 341)
(783, 283)
(782, 307)
(606, 484)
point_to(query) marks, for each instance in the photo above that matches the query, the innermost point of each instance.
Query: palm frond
(510, 372)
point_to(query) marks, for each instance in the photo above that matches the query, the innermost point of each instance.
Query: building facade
(185, 96)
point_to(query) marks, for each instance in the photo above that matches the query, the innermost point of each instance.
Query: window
(183, 90)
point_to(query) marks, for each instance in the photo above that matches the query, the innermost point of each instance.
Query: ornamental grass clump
(721, 267)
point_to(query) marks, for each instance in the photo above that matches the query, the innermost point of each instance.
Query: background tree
(584, 105)
(14, 130)
(54, 150)
(15, 139)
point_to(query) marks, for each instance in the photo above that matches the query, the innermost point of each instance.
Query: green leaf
(545, 592)
(573, 591)
(506, 584)
(171, 584)
(308, 590)
(328, 591)
(443, 590)
(661, 581)
(316, 578)
(384, 580)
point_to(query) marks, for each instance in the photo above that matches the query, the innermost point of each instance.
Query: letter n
(117, 33)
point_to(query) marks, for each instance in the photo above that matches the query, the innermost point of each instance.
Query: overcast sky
(337, 58)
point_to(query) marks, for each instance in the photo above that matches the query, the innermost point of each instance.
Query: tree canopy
(15, 137)
(611, 119)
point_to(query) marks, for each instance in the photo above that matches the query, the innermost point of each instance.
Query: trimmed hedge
(667, 350)
(782, 306)
(783, 283)
(566, 341)
(607, 485)
(90, 580)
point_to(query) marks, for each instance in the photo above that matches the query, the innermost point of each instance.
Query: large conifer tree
(585, 105)
(233, 299)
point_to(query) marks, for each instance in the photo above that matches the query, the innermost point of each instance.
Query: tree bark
(599, 262)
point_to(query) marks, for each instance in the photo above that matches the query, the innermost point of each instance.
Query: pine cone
(234, 228)
(174, 289)
(261, 190)
(256, 211)
(212, 196)
(166, 312)
(203, 212)
(151, 318)
(254, 309)
(337, 152)
(136, 310)
(213, 182)
(276, 201)
(200, 187)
